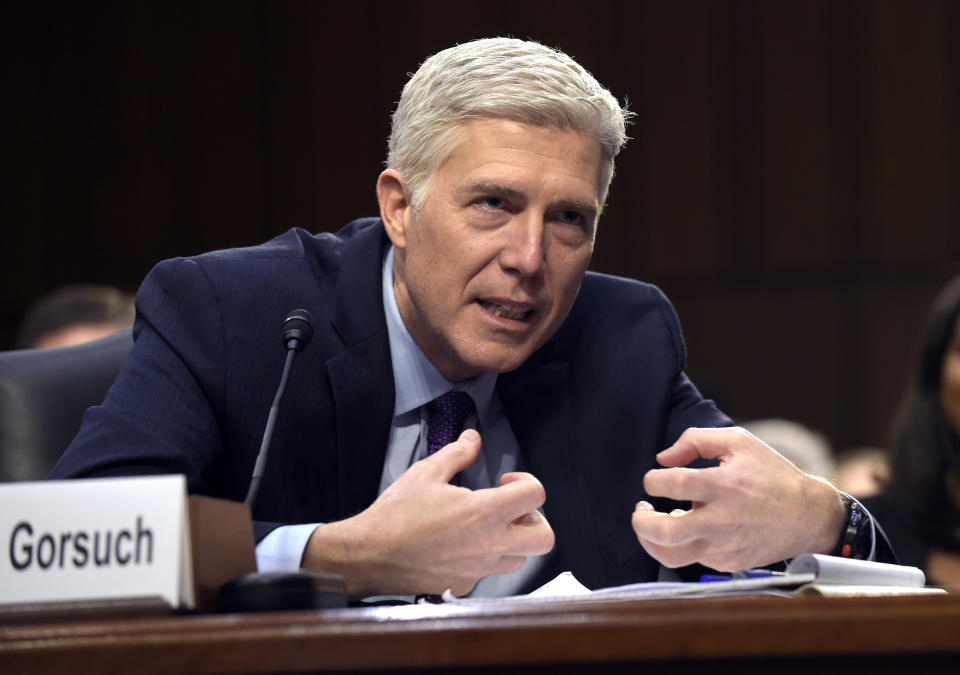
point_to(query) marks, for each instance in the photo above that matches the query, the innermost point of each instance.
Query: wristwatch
(855, 540)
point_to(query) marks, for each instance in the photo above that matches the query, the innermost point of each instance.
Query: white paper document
(809, 573)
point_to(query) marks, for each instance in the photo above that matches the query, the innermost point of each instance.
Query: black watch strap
(855, 540)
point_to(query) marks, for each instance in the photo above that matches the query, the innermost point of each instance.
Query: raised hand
(424, 535)
(753, 509)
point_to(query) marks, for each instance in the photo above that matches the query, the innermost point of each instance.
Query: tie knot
(446, 416)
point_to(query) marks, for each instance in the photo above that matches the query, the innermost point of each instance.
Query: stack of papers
(806, 574)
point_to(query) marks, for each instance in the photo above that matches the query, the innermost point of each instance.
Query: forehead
(497, 150)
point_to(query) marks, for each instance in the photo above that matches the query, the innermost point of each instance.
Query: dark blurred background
(791, 182)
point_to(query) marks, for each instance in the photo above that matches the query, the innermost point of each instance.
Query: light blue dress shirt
(417, 382)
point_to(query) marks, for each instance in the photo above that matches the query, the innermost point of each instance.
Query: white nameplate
(96, 539)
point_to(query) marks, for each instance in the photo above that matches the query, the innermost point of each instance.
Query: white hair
(498, 78)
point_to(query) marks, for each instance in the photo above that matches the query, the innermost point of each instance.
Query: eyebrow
(588, 208)
(491, 188)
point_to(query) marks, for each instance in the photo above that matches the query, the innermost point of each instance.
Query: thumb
(454, 457)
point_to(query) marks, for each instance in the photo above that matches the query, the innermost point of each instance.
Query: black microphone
(273, 591)
(297, 331)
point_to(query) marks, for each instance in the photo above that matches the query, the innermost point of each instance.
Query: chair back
(43, 395)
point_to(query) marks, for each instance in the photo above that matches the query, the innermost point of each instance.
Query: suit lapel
(361, 376)
(362, 383)
(537, 403)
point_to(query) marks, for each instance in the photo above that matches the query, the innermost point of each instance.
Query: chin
(488, 355)
(499, 363)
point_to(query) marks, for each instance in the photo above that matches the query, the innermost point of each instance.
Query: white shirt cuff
(282, 549)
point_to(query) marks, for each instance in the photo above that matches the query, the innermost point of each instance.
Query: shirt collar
(416, 380)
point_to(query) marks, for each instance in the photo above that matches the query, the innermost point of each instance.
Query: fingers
(754, 508)
(515, 526)
(693, 485)
(669, 529)
(514, 476)
(678, 556)
(530, 534)
(514, 504)
(453, 458)
(531, 518)
(672, 538)
(695, 444)
(518, 494)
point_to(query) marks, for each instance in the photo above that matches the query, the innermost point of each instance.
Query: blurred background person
(809, 450)
(863, 471)
(75, 314)
(920, 508)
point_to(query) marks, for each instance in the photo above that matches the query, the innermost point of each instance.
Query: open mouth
(505, 310)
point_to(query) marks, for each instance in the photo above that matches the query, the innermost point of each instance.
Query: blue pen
(743, 574)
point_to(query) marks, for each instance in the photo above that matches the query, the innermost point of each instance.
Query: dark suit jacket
(590, 409)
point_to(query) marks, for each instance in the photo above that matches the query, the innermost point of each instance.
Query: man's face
(950, 381)
(489, 268)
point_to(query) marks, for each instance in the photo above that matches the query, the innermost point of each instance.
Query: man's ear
(396, 207)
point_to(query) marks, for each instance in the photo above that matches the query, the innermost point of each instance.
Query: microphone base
(282, 591)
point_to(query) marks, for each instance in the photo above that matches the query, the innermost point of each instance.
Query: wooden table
(918, 634)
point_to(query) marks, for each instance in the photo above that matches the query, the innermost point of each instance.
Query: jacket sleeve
(688, 407)
(167, 409)
(160, 415)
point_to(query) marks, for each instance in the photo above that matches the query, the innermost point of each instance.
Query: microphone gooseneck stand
(290, 590)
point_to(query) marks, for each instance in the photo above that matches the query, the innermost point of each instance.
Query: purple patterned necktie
(445, 418)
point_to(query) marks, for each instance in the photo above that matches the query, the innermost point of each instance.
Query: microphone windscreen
(298, 326)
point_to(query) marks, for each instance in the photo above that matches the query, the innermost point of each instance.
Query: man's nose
(524, 249)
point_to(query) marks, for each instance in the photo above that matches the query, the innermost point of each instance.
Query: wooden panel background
(791, 183)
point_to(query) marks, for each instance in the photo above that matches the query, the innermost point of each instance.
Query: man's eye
(492, 202)
(570, 217)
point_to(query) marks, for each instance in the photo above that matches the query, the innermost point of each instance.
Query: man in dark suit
(472, 281)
